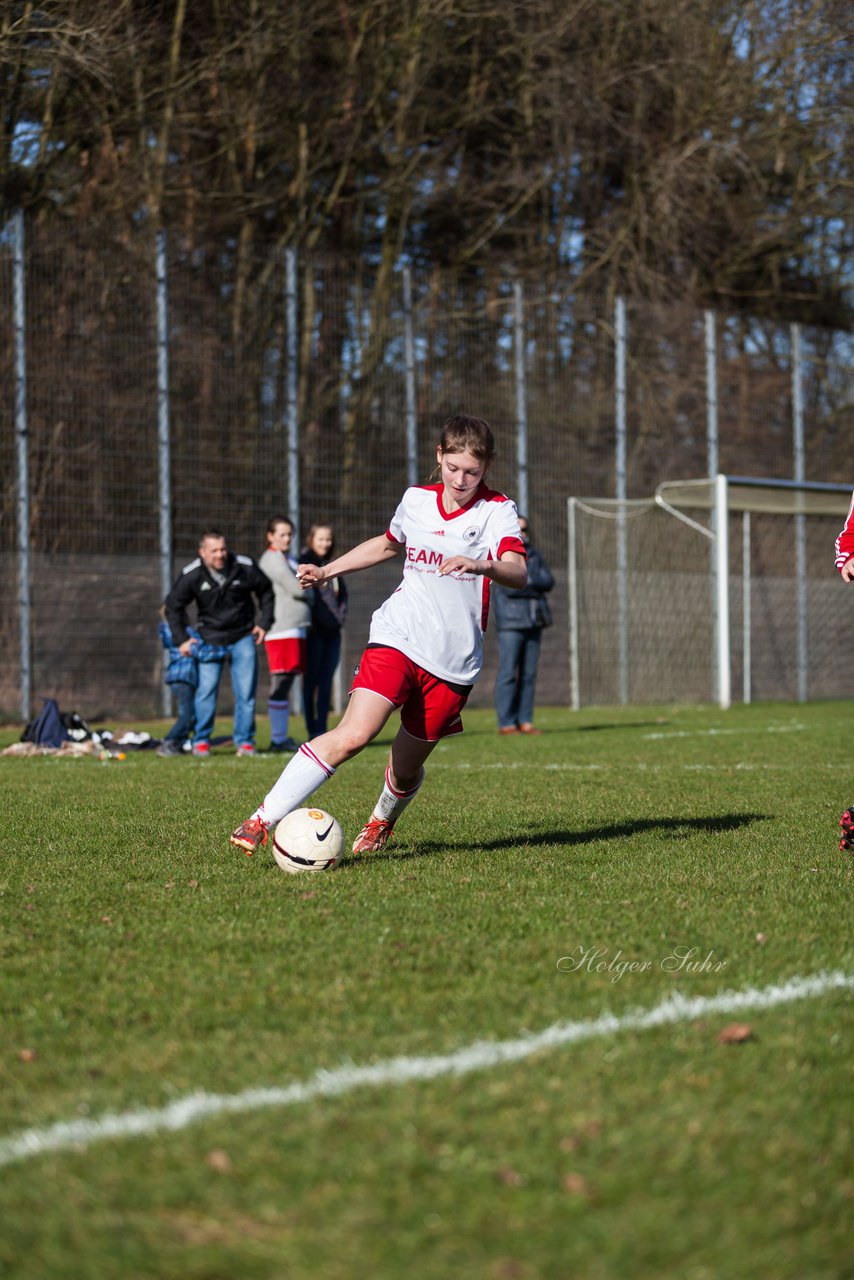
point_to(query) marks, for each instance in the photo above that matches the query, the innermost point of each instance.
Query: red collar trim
(452, 515)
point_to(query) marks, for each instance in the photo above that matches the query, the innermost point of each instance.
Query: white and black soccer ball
(308, 840)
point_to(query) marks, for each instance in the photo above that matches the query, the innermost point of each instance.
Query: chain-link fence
(144, 400)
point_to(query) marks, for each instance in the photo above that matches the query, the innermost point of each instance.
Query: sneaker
(202, 749)
(529, 728)
(250, 835)
(508, 728)
(278, 748)
(373, 836)
(169, 748)
(846, 822)
(246, 751)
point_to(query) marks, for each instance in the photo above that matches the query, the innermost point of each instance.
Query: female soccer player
(425, 648)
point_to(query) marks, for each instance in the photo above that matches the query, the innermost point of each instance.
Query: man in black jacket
(225, 589)
(520, 617)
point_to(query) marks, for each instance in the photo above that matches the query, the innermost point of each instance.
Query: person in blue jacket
(520, 617)
(182, 675)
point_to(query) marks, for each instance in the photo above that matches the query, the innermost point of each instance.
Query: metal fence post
(291, 370)
(164, 443)
(409, 358)
(521, 400)
(22, 441)
(712, 461)
(620, 494)
(800, 522)
(293, 440)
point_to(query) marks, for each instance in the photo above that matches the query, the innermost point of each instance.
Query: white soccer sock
(302, 775)
(392, 802)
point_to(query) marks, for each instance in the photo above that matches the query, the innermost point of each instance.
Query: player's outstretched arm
(364, 556)
(510, 571)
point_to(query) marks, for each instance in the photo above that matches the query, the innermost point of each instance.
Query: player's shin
(393, 800)
(304, 773)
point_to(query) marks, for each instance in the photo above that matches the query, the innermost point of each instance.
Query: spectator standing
(520, 617)
(182, 676)
(285, 642)
(226, 590)
(328, 612)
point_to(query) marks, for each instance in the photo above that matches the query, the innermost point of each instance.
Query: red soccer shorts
(429, 707)
(286, 652)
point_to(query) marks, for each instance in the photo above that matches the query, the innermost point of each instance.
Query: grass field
(508, 1131)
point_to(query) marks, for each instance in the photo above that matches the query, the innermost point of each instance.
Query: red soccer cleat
(373, 836)
(250, 835)
(846, 822)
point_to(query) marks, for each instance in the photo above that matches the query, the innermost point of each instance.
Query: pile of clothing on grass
(65, 733)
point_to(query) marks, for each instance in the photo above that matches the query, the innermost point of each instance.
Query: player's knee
(350, 741)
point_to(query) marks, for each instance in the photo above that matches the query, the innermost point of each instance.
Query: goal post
(665, 620)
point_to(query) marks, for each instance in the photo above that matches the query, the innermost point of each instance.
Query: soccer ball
(308, 840)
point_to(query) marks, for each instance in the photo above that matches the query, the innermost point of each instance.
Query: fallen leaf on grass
(736, 1033)
(510, 1177)
(575, 1141)
(218, 1160)
(575, 1184)
(27, 1055)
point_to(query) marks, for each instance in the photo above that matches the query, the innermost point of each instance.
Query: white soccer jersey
(439, 621)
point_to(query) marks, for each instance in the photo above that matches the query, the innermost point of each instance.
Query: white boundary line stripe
(481, 1055)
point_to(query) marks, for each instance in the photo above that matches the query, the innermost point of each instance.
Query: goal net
(710, 590)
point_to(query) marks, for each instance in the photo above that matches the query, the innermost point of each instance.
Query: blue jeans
(185, 698)
(243, 656)
(324, 651)
(518, 655)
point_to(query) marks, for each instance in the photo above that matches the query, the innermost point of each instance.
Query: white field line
(634, 766)
(794, 727)
(480, 1056)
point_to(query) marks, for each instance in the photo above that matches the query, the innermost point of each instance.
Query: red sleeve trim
(511, 544)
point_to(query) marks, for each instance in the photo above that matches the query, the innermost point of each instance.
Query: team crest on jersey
(471, 534)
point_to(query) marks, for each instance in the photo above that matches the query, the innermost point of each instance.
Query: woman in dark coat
(328, 612)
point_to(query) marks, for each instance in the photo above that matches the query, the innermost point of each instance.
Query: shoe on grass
(846, 822)
(246, 751)
(169, 747)
(373, 836)
(202, 749)
(250, 835)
